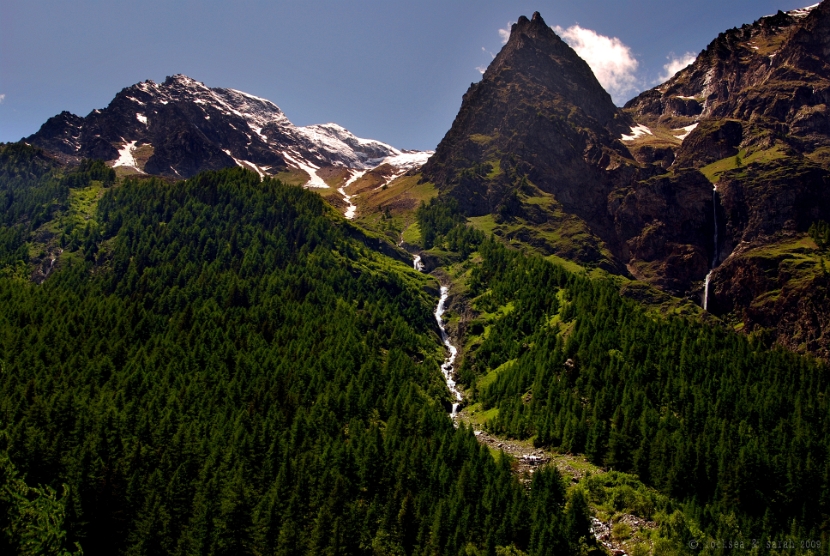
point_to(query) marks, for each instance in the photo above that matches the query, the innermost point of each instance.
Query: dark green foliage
(441, 222)
(88, 171)
(704, 415)
(29, 187)
(820, 232)
(33, 188)
(31, 519)
(231, 374)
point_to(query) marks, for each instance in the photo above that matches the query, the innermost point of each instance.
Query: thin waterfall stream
(447, 368)
(417, 264)
(715, 255)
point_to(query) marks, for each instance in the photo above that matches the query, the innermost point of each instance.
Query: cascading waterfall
(715, 256)
(447, 367)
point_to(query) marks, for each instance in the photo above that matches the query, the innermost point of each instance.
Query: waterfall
(715, 214)
(715, 255)
(417, 264)
(447, 367)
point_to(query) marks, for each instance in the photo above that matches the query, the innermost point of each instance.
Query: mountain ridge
(183, 127)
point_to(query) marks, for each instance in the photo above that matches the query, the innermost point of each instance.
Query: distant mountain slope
(182, 127)
(772, 74)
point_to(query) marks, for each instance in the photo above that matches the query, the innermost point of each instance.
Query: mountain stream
(447, 367)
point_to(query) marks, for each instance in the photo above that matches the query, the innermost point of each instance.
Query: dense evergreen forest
(221, 366)
(737, 431)
(442, 225)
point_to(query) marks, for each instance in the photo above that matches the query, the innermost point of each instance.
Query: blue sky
(386, 70)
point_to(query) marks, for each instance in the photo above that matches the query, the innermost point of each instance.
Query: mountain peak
(536, 54)
(540, 101)
(534, 27)
(182, 127)
(181, 79)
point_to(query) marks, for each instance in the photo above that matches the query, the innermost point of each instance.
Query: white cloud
(481, 69)
(505, 33)
(2, 98)
(610, 59)
(675, 65)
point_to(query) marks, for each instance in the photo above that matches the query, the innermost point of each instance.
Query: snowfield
(125, 156)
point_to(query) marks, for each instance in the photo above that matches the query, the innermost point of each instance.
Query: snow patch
(136, 100)
(247, 165)
(141, 118)
(802, 12)
(391, 178)
(249, 95)
(343, 148)
(125, 156)
(314, 180)
(258, 131)
(352, 208)
(354, 177)
(688, 129)
(408, 159)
(637, 131)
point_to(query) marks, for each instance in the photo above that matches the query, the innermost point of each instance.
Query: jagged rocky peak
(537, 51)
(181, 127)
(538, 113)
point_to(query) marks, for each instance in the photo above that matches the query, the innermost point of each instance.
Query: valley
(573, 328)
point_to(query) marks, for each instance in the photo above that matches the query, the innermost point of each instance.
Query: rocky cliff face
(537, 113)
(754, 105)
(182, 127)
(665, 225)
(540, 144)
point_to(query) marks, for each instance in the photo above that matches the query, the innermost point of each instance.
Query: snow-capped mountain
(182, 127)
